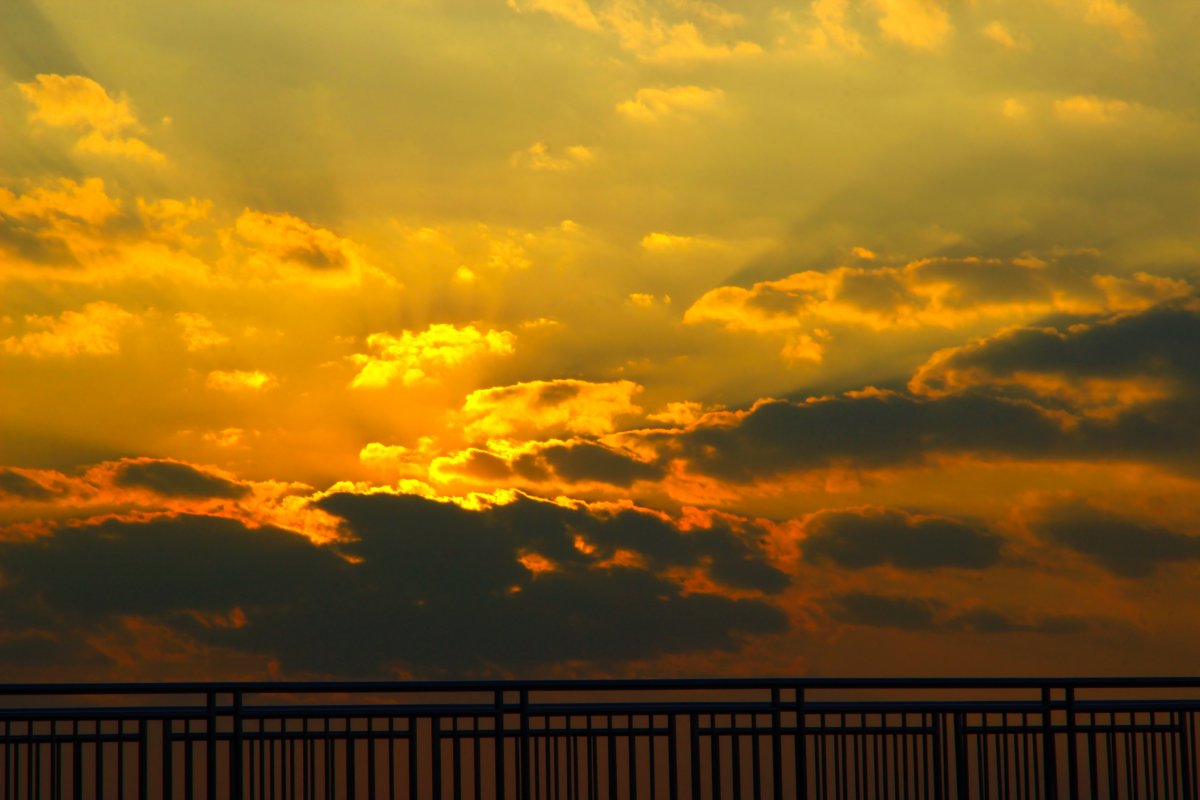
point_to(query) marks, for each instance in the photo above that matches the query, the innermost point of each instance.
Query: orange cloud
(943, 293)
(538, 157)
(564, 404)
(415, 357)
(95, 330)
(74, 101)
(920, 24)
(240, 380)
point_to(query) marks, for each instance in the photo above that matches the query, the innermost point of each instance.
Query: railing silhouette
(537, 740)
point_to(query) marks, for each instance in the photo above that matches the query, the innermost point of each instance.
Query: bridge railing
(706, 739)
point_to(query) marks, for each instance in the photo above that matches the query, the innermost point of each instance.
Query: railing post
(236, 763)
(801, 746)
(526, 770)
(499, 736)
(962, 781)
(776, 745)
(210, 761)
(1072, 747)
(1049, 754)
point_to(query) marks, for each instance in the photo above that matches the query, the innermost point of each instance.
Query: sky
(560, 338)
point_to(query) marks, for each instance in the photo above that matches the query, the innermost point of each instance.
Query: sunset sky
(436, 338)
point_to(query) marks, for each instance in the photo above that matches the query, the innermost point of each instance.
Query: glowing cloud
(93, 331)
(75, 101)
(651, 104)
(564, 404)
(239, 380)
(920, 24)
(415, 357)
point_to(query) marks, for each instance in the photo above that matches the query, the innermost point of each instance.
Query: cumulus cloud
(1123, 387)
(240, 380)
(413, 357)
(175, 479)
(1089, 109)
(564, 404)
(108, 124)
(538, 157)
(94, 330)
(569, 462)
(198, 332)
(1121, 545)
(930, 613)
(920, 24)
(654, 103)
(934, 292)
(443, 590)
(856, 539)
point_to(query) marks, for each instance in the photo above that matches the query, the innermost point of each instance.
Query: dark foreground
(705, 739)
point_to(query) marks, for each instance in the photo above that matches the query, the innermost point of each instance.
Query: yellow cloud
(198, 332)
(537, 156)
(74, 101)
(576, 12)
(941, 293)
(1091, 109)
(1117, 17)
(565, 404)
(920, 24)
(169, 219)
(291, 239)
(411, 357)
(999, 33)
(832, 30)
(94, 331)
(652, 103)
(240, 380)
(83, 202)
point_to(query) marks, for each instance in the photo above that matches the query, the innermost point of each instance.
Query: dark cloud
(921, 613)
(174, 479)
(30, 43)
(1122, 546)
(426, 586)
(855, 540)
(580, 462)
(17, 485)
(979, 416)
(1162, 342)
(880, 611)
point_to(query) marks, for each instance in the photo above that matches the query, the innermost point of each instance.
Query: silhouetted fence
(538, 740)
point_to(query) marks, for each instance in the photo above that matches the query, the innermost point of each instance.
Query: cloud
(576, 12)
(538, 157)
(999, 33)
(832, 30)
(563, 463)
(1103, 369)
(651, 104)
(240, 380)
(95, 330)
(564, 404)
(416, 587)
(291, 239)
(932, 292)
(175, 479)
(1121, 388)
(198, 332)
(930, 613)
(75, 101)
(1117, 17)
(1123, 546)
(1089, 109)
(22, 487)
(415, 357)
(920, 24)
(872, 537)
(84, 202)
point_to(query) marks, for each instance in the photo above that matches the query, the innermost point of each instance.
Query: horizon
(421, 340)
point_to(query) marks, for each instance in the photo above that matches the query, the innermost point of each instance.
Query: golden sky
(391, 338)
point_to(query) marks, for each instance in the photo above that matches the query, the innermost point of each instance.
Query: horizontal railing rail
(945, 739)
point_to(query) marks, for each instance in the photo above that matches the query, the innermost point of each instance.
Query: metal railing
(537, 740)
